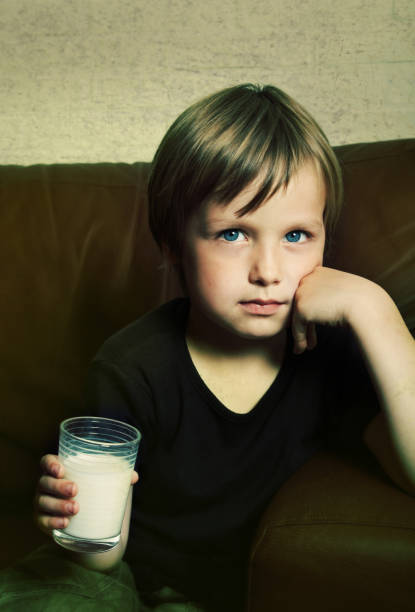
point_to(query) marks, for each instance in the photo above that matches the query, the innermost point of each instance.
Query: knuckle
(51, 507)
(41, 521)
(47, 485)
(43, 460)
(56, 487)
(48, 523)
(43, 481)
(46, 461)
(51, 465)
(42, 502)
(52, 522)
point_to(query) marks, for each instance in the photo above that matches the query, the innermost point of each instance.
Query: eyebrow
(312, 223)
(222, 220)
(233, 221)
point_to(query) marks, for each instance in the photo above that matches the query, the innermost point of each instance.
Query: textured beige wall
(101, 80)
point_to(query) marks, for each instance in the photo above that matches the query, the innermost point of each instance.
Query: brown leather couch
(78, 262)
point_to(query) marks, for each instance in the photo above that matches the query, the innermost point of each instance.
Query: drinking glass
(99, 455)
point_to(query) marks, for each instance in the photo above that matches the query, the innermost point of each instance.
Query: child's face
(242, 272)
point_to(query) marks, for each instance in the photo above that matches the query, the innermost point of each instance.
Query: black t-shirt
(207, 473)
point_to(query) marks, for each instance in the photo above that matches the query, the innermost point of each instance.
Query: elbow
(379, 441)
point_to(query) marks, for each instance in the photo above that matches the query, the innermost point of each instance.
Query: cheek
(217, 278)
(203, 272)
(303, 267)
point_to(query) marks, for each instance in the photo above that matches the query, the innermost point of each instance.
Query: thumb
(134, 477)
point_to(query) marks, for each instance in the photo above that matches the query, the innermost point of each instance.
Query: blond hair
(220, 144)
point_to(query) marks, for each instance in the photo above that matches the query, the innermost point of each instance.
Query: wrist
(371, 307)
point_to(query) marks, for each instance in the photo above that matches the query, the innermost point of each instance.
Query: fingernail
(62, 523)
(55, 469)
(69, 490)
(69, 508)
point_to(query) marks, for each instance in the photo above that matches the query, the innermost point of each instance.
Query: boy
(222, 384)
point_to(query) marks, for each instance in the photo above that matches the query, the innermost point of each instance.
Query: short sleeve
(351, 401)
(116, 393)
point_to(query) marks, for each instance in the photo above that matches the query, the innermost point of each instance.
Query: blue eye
(294, 236)
(231, 235)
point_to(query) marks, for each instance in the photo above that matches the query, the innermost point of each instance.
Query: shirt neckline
(274, 391)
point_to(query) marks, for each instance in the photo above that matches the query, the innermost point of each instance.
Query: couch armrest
(337, 536)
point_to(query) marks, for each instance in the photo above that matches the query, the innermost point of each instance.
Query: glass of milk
(99, 455)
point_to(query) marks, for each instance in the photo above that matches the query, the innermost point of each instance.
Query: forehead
(305, 195)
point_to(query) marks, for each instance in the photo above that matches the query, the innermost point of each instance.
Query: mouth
(261, 307)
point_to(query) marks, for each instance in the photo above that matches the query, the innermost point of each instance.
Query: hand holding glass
(97, 454)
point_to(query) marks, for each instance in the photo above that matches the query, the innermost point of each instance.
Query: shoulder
(152, 335)
(135, 367)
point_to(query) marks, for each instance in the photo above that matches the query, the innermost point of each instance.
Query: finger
(45, 504)
(299, 332)
(48, 523)
(311, 336)
(49, 464)
(134, 477)
(51, 513)
(57, 487)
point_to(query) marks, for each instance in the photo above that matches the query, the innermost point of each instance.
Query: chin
(260, 335)
(257, 331)
(255, 328)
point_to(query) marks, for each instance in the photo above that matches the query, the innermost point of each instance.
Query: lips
(261, 307)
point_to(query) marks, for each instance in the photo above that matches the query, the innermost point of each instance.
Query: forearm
(103, 562)
(329, 296)
(389, 350)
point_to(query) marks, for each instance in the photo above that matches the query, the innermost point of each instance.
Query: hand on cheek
(327, 297)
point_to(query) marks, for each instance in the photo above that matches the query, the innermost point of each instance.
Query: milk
(103, 482)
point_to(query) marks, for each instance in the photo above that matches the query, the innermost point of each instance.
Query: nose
(265, 268)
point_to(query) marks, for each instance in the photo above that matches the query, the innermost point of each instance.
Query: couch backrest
(376, 232)
(78, 262)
